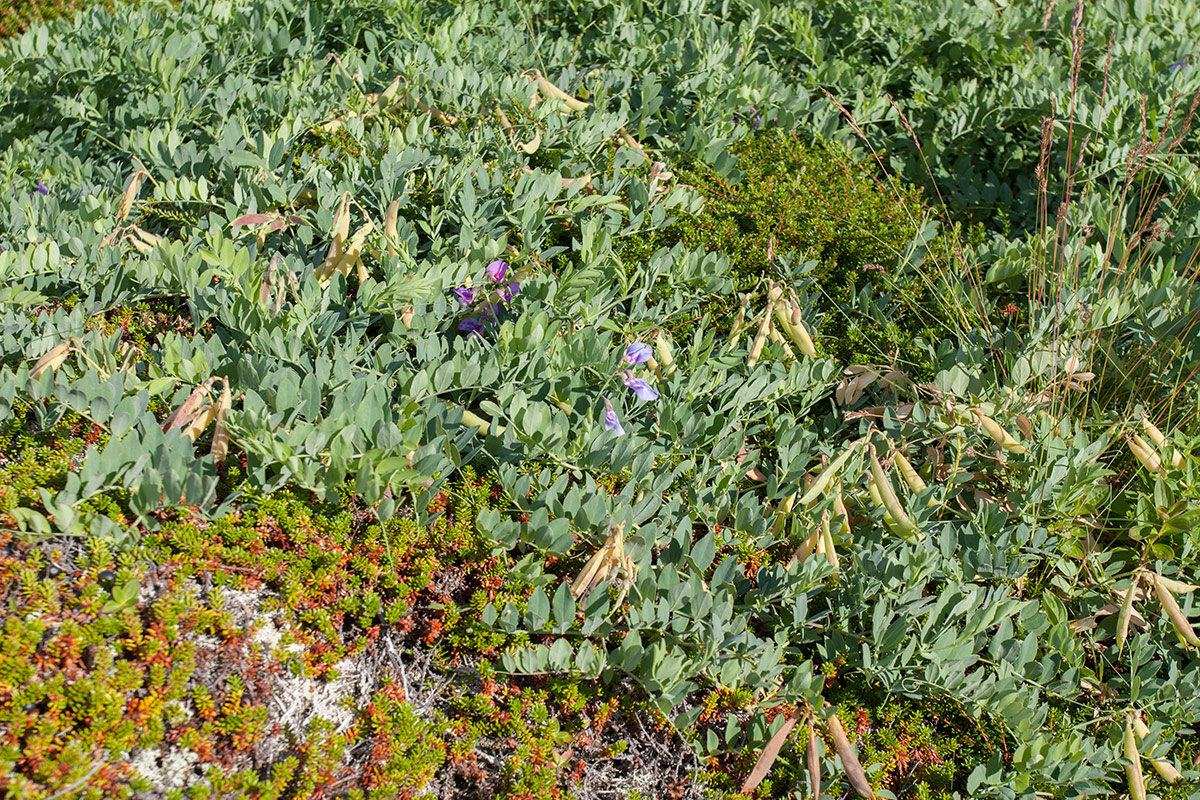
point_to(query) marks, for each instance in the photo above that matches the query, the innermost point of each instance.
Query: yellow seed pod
(829, 548)
(1133, 768)
(827, 475)
(807, 547)
(1125, 615)
(337, 245)
(1161, 444)
(389, 226)
(51, 360)
(1165, 769)
(739, 322)
(910, 475)
(1145, 454)
(1182, 627)
(666, 358)
(839, 505)
(1176, 587)
(903, 525)
(997, 433)
(760, 339)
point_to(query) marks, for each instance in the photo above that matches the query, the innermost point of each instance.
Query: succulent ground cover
(585, 400)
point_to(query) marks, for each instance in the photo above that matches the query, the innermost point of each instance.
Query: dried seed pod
(189, 409)
(805, 342)
(131, 192)
(353, 252)
(781, 514)
(806, 548)
(997, 433)
(610, 556)
(813, 758)
(1134, 778)
(220, 441)
(1154, 433)
(337, 246)
(530, 147)
(389, 226)
(1165, 769)
(739, 322)
(1182, 627)
(51, 360)
(854, 771)
(1160, 442)
(630, 142)
(765, 759)
(1144, 453)
(760, 339)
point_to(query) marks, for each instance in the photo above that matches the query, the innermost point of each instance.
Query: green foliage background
(1032, 261)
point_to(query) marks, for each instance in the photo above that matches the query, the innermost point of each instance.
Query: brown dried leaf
(767, 757)
(1024, 425)
(252, 219)
(1089, 622)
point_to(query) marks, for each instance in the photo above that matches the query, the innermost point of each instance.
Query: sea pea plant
(384, 279)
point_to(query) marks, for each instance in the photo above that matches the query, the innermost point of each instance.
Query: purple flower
(638, 353)
(490, 312)
(1180, 64)
(471, 325)
(611, 422)
(644, 391)
(497, 270)
(509, 291)
(42, 188)
(466, 295)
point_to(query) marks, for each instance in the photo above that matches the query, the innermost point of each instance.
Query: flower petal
(611, 421)
(644, 391)
(497, 270)
(638, 353)
(465, 295)
(470, 325)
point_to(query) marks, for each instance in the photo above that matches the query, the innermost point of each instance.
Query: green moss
(18, 15)
(810, 203)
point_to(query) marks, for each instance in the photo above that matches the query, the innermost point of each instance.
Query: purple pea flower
(42, 188)
(611, 421)
(471, 326)
(1180, 64)
(508, 292)
(497, 270)
(638, 353)
(466, 295)
(644, 391)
